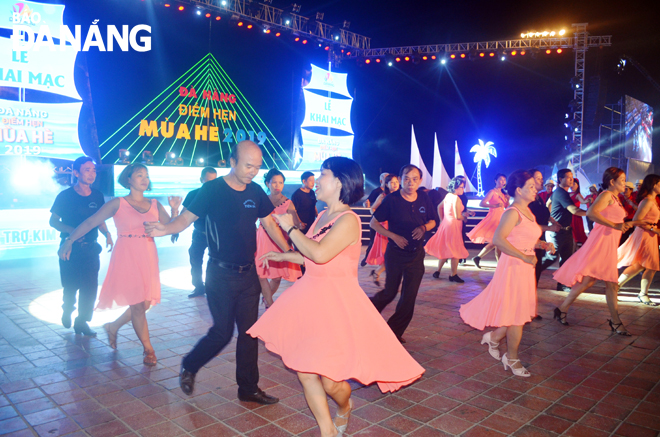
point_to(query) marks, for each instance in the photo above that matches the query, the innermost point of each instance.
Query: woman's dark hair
(389, 178)
(517, 179)
(650, 181)
(577, 181)
(499, 175)
(610, 175)
(126, 174)
(455, 183)
(271, 174)
(350, 175)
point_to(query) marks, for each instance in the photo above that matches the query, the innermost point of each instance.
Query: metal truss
(276, 19)
(580, 49)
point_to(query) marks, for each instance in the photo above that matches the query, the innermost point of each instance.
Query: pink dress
(597, 257)
(448, 240)
(510, 297)
(265, 244)
(376, 255)
(577, 223)
(485, 229)
(325, 324)
(642, 246)
(133, 275)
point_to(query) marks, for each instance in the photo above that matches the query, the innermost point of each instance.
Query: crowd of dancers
(324, 326)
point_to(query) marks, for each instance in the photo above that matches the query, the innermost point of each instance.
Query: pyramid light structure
(416, 159)
(440, 175)
(202, 108)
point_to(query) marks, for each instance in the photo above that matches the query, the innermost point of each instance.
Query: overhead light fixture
(295, 8)
(171, 158)
(147, 157)
(124, 156)
(319, 16)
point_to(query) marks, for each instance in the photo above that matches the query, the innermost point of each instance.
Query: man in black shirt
(409, 214)
(230, 205)
(367, 204)
(198, 244)
(80, 273)
(304, 199)
(562, 212)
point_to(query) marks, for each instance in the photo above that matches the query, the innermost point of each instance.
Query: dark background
(519, 104)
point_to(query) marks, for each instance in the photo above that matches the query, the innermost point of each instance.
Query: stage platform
(585, 381)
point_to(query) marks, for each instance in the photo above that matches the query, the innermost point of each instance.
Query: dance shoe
(518, 371)
(455, 278)
(345, 416)
(560, 316)
(492, 346)
(619, 328)
(198, 292)
(66, 319)
(83, 328)
(436, 275)
(186, 381)
(646, 301)
(260, 397)
(476, 260)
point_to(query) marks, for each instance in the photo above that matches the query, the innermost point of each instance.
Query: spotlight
(492, 55)
(561, 32)
(576, 83)
(346, 25)
(249, 26)
(304, 41)
(397, 59)
(208, 15)
(222, 163)
(167, 5)
(295, 8)
(503, 58)
(223, 2)
(547, 52)
(389, 64)
(378, 60)
(327, 48)
(178, 161)
(514, 53)
(181, 8)
(278, 34)
(453, 56)
(559, 50)
(147, 158)
(407, 58)
(319, 16)
(287, 22)
(482, 54)
(199, 12)
(217, 18)
(463, 55)
(200, 162)
(424, 58)
(433, 57)
(240, 23)
(123, 156)
(367, 61)
(443, 61)
(297, 39)
(522, 53)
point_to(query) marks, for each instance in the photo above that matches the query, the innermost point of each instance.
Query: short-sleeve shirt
(305, 204)
(230, 219)
(404, 217)
(540, 211)
(374, 195)
(75, 209)
(199, 223)
(561, 200)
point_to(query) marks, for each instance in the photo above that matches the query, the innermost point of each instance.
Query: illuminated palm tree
(482, 153)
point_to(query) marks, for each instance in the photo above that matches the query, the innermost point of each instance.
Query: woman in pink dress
(447, 242)
(324, 326)
(509, 301)
(133, 279)
(577, 223)
(271, 275)
(376, 256)
(597, 258)
(496, 200)
(640, 251)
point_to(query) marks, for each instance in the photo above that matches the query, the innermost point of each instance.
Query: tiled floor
(586, 382)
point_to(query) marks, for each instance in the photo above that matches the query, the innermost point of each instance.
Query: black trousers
(564, 243)
(80, 275)
(409, 267)
(372, 236)
(196, 253)
(233, 298)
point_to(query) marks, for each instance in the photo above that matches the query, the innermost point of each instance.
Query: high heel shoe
(518, 371)
(648, 301)
(476, 261)
(149, 358)
(560, 316)
(112, 336)
(615, 328)
(346, 415)
(492, 346)
(436, 275)
(375, 278)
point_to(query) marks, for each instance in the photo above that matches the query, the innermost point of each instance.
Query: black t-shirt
(541, 212)
(403, 217)
(75, 209)
(231, 219)
(436, 196)
(374, 195)
(199, 223)
(561, 200)
(305, 204)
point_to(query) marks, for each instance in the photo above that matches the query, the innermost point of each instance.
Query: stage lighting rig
(171, 158)
(295, 8)
(346, 25)
(124, 156)
(319, 16)
(576, 83)
(147, 158)
(200, 162)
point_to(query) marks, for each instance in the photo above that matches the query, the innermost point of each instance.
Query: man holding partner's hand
(231, 205)
(409, 214)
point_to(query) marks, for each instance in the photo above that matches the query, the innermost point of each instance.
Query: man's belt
(233, 267)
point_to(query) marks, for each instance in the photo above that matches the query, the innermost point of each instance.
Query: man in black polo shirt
(367, 204)
(562, 212)
(409, 214)
(542, 214)
(80, 273)
(198, 244)
(231, 205)
(304, 199)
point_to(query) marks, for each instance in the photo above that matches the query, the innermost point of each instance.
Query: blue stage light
(503, 58)
(443, 61)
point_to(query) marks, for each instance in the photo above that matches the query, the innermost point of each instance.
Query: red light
(249, 26)
(181, 8)
(407, 58)
(462, 55)
(492, 55)
(398, 59)
(217, 18)
(297, 39)
(327, 48)
(207, 15)
(167, 5)
(378, 61)
(368, 61)
(514, 53)
(267, 31)
(348, 54)
(547, 52)
(424, 58)
(304, 41)
(240, 23)
(522, 53)
(559, 50)
(452, 56)
(278, 34)
(433, 57)
(482, 54)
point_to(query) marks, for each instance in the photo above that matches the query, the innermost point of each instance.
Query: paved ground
(586, 382)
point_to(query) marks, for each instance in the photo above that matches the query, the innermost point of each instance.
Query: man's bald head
(243, 149)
